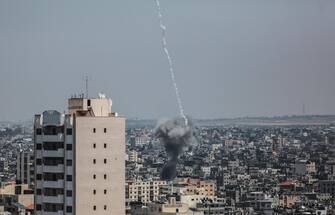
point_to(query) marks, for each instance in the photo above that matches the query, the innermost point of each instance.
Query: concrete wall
(85, 153)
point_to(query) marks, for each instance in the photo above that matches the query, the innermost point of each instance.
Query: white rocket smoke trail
(166, 51)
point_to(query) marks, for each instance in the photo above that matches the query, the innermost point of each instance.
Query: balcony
(69, 201)
(49, 213)
(53, 138)
(69, 154)
(69, 139)
(53, 153)
(38, 153)
(39, 169)
(54, 169)
(38, 139)
(53, 184)
(69, 185)
(69, 170)
(53, 199)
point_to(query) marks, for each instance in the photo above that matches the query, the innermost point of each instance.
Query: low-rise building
(144, 191)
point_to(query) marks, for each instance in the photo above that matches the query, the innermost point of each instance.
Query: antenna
(86, 86)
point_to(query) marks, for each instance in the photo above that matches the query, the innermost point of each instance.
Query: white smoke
(166, 51)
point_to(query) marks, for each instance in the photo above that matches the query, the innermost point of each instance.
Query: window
(38, 146)
(53, 161)
(94, 130)
(38, 207)
(38, 131)
(68, 162)
(39, 176)
(69, 131)
(88, 102)
(53, 146)
(94, 161)
(69, 177)
(53, 191)
(28, 192)
(105, 130)
(69, 193)
(94, 176)
(105, 176)
(39, 161)
(105, 191)
(39, 191)
(68, 209)
(50, 207)
(105, 207)
(94, 145)
(69, 147)
(94, 192)
(53, 130)
(53, 176)
(105, 160)
(94, 207)
(105, 145)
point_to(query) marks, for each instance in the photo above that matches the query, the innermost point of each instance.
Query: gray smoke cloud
(175, 134)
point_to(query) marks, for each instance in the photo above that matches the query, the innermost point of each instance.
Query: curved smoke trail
(166, 51)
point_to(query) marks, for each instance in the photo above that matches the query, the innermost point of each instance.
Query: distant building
(25, 167)
(288, 201)
(2, 164)
(133, 156)
(172, 207)
(196, 186)
(206, 170)
(288, 186)
(303, 167)
(144, 191)
(132, 141)
(16, 199)
(142, 140)
(209, 208)
(330, 169)
(327, 186)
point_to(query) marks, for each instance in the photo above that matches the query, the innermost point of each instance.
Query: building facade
(25, 167)
(145, 191)
(80, 159)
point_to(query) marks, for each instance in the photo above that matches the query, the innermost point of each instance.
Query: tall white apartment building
(80, 159)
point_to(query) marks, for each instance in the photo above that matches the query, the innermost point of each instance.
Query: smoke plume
(175, 135)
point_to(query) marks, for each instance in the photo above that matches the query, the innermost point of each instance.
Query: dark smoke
(175, 135)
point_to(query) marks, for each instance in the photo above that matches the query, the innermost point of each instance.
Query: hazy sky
(232, 57)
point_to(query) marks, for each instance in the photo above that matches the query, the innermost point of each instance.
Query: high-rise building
(25, 167)
(80, 159)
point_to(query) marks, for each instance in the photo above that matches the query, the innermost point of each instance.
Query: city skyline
(231, 59)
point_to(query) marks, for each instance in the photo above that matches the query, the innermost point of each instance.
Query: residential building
(25, 167)
(80, 159)
(144, 191)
